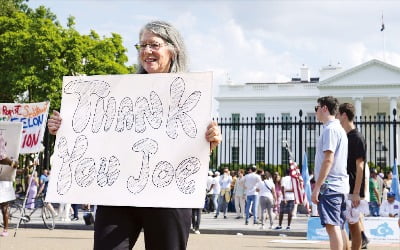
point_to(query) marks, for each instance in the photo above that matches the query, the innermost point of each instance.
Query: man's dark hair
(347, 108)
(330, 102)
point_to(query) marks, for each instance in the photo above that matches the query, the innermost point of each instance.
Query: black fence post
(300, 139)
(394, 134)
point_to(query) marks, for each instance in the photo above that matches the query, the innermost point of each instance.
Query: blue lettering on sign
(29, 122)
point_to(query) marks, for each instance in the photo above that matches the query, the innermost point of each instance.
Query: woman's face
(154, 61)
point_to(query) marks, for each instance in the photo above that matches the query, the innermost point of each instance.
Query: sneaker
(364, 244)
(288, 228)
(237, 217)
(246, 223)
(256, 223)
(75, 218)
(4, 234)
(278, 228)
(270, 227)
(262, 227)
(225, 217)
(215, 216)
(197, 232)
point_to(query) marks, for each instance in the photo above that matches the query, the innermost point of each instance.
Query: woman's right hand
(54, 122)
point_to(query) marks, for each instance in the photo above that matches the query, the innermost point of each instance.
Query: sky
(253, 40)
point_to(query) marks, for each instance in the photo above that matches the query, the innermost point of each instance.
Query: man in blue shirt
(332, 181)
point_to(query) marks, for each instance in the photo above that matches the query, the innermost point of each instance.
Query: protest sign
(33, 116)
(133, 140)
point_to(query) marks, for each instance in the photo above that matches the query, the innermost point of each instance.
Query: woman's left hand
(213, 135)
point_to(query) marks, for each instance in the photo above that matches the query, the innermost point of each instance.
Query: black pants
(75, 208)
(119, 227)
(196, 217)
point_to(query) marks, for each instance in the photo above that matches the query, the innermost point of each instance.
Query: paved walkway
(215, 234)
(209, 225)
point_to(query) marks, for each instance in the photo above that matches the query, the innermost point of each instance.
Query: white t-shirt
(265, 188)
(209, 182)
(225, 181)
(250, 182)
(216, 188)
(286, 184)
(387, 208)
(353, 213)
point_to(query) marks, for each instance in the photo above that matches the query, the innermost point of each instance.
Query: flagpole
(383, 39)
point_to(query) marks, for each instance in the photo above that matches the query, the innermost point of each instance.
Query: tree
(37, 52)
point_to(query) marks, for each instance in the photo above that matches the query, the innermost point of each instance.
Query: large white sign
(133, 140)
(11, 136)
(382, 228)
(33, 116)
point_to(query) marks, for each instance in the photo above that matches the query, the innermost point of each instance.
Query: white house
(373, 87)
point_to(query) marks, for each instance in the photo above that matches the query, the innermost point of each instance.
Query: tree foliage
(36, 52)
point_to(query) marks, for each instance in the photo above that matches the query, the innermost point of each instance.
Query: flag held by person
(395, 181)
(306, 179)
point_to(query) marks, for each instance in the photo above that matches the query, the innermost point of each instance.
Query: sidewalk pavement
(208, 225)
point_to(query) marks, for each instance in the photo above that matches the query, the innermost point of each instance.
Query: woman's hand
(213, 135)
(54, 122)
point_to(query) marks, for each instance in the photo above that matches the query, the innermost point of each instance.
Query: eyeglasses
(316, 108)
(152, 46)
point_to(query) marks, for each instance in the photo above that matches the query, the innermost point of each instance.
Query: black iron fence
(252, 141)
(261, 141)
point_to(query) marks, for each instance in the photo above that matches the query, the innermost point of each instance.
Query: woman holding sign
(6, 187)
(161, 50)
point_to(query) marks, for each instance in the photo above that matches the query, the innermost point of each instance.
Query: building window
(381, 118)
(310, 121)
(260, 120)
(286, 121)
(235, 121)
(285, 156)
(235, 155)
(260, 154)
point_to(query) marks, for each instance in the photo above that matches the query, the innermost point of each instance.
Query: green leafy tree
(36, 52)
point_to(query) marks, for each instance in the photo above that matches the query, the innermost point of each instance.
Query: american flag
(297, 182)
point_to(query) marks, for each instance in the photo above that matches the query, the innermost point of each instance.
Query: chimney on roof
(330, 70)
(304, 73)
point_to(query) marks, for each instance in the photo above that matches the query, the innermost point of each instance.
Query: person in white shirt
(287, 203)
(209, 207)
(240, 195)
(266, 191)
(250, 183)
(225, 193)
(390, 207)
(215, 189)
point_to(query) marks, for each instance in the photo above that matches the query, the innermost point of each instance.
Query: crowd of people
(251, 193)
(339, 184)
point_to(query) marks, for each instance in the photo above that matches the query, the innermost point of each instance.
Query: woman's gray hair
(177, 47)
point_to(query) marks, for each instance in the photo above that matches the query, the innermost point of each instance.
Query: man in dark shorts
(355, 168)
(332, 181)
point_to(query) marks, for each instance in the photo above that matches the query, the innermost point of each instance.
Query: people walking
(251, 181)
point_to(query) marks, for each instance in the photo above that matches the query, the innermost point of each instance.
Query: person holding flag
(356, 156)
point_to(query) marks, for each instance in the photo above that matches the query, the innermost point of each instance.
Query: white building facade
(373, 87)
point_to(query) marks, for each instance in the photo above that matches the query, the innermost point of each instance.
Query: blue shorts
(331, 208)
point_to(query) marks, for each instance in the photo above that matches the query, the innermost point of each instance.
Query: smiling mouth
(150, 60)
